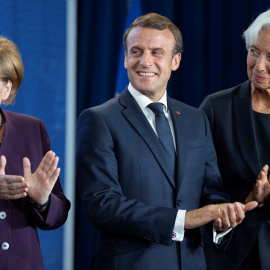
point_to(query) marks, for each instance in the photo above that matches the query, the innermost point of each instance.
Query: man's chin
(148, 92)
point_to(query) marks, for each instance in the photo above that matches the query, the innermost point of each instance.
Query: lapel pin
(177, 112)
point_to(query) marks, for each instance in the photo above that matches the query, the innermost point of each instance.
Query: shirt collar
(143, 101)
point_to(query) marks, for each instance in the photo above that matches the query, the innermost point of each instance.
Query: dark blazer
(129, 192)
(26, 136)
(231, 120)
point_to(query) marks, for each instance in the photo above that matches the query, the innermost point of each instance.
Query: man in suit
(141, 185)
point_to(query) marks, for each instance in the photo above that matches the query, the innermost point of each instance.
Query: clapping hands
(224, 216)
(11, 186)
(231, 214)
(42, 181)
(37, 185)
(261, 190)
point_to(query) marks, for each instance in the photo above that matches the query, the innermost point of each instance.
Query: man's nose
(146, 60)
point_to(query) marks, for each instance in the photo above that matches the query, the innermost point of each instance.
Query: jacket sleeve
(101, 192)
(57, 211)
(207, 108)
(213, 191)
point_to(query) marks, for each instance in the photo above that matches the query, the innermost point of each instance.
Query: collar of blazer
(9, 143)
(179, 117)
(245, 129)
(133, 113)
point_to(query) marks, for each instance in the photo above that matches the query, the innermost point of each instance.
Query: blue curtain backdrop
(134, 11)
(214, 58)
(38, 27)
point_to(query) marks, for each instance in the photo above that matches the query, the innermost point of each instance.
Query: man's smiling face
(149, 60)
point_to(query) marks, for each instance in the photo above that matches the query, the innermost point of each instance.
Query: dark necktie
(164, 131)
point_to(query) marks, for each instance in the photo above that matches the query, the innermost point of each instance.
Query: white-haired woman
(240, 123)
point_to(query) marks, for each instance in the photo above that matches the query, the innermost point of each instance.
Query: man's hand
(42, 181)
(233, 215)
(11, 186)
(261, 190)
(225, 216)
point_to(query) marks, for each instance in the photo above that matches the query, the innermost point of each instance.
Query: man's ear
(176, 61)
(7, 90)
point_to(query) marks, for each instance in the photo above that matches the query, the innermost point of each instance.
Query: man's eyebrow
(157, 49)
(135, 47)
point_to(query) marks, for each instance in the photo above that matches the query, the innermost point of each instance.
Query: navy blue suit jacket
(130, 194)
(231, 120)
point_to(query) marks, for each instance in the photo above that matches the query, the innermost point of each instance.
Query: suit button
(3, 215)
(178, 202)
(5, 246)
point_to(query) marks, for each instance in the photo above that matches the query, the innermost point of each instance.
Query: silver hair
(260, 23)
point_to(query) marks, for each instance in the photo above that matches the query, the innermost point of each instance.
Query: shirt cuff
(179, 226)
(217, 237)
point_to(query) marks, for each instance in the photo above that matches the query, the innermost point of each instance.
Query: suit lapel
(9, 147)
(177, 115)
(245, 130)
(133, 113)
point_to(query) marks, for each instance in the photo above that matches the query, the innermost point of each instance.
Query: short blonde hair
(11, 67)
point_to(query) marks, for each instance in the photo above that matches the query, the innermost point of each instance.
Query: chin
(147, 92)
(261, 85)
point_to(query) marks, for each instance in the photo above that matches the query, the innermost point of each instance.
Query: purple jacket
(26, 136)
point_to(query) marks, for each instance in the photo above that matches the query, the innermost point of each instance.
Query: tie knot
(156, 108)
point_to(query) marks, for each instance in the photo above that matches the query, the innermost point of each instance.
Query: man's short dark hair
(158, 22)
